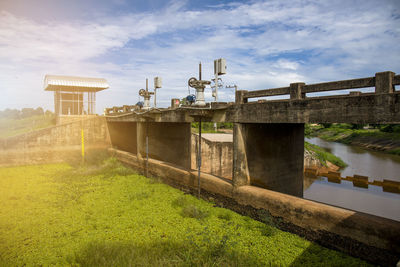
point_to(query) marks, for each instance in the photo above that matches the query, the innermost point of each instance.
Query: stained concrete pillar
(240, 170)
(384, 82)
(123, 135)
(269, 156)
(169, 142)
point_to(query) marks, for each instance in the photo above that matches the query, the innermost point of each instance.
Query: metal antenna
(200, 71)
(147, 84)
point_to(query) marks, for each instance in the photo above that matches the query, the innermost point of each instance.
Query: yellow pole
(83, 145)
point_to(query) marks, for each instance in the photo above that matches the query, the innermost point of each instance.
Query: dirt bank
(311, 161)
(374, 139)
(374, 143)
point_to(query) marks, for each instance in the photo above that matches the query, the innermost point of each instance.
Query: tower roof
(71, 83)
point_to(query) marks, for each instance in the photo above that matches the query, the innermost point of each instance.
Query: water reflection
(372, 199)
(375, 165)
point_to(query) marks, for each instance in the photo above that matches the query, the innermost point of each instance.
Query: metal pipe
(216, 92)
(199, 161)
(200, 71)
(147, 149)
(155, 96)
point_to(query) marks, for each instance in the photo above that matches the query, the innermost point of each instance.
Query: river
(375, 165)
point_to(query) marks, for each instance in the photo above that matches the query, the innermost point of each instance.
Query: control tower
(74, 97)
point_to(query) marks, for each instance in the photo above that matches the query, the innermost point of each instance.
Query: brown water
(375, 165)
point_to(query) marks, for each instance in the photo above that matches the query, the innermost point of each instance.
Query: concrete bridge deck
(383, 106)
(268, 136)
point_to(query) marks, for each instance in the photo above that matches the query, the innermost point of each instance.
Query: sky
(266, 44)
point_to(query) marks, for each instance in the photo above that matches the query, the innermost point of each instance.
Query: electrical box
(220, 66)
(157, 82)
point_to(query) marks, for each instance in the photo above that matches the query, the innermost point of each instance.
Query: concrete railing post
(239, 97)
(296, 91)
(384, 82)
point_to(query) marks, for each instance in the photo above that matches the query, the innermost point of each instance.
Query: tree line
(388, 128)
(24, 113)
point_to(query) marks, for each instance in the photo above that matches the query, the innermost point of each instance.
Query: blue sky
(266, 44)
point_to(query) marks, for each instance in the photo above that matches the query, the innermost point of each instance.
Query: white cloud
(266, 44)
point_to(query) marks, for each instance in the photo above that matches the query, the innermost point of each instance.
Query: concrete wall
(55, 143)
(361, 109)
(216, 157)
(64, 119)
(169, 142)
(269, 156)
(123, 135)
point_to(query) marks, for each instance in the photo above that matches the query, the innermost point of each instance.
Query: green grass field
(106, 215)
(12, 127)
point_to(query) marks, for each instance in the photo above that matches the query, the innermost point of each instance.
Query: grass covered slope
(385, 139)
(323, 156)
(109, 216)
(11, 127)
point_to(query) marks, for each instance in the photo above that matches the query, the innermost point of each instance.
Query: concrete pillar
(123, 135)
(240, 170)
(169, 142)
(296, 91)
(384, 82)
(269, 156)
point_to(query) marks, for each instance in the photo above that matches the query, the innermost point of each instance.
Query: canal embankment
(384, 138)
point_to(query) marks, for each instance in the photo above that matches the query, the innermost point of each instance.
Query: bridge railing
(119, 110)
(384, 82)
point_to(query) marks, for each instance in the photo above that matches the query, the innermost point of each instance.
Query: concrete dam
(266, 154)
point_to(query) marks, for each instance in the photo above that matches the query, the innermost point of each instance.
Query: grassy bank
(12, 127)
(375, 139)
(106, 215)
(323, 156)
(208, 127)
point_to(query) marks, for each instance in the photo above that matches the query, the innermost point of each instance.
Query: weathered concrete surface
(217, 157)
(274, 155)
(64, 119)
(169, 142)
(218, 137)
(366, 229)
(363, 109)
(123, 135)
(216, 154)
(55, 143)
(176, 173)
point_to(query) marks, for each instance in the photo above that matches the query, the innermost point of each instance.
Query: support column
(269, 156)
(240, 170)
